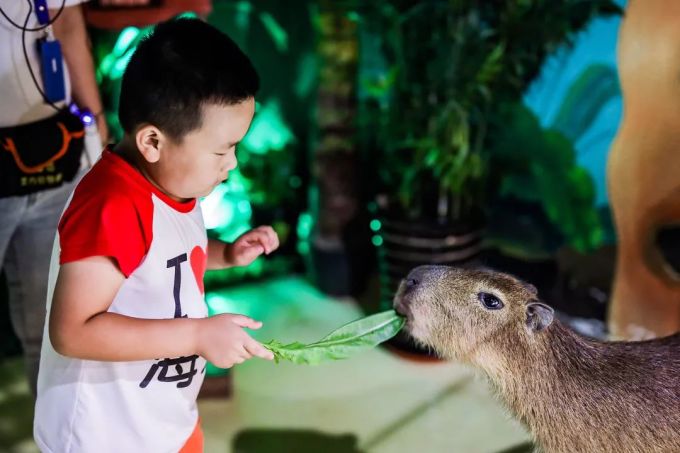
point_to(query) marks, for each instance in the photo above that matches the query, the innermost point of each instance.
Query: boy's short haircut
(181, 66)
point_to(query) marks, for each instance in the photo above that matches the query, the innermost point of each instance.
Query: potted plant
(436, 77)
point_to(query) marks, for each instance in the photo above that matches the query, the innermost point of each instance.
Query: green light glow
(188, 15)
(242, 18)
(268, 131)
(278, 34)
(125, 39)
(303, 248)
(227, 211)
(377, 240)
(307, 72)
(237, 183)
(375, 225)
(244, 208)
(217, 212)
(232, 232)
(120, 65)
(304, 227)
(304, 231)
(105, 67)
(218, 304)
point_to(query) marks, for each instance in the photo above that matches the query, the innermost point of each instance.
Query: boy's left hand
(252, 244)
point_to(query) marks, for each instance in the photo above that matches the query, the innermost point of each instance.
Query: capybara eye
(490, 301)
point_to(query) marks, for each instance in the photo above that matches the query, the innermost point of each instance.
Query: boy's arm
(80, 326)
(218, 254)
(243, 250)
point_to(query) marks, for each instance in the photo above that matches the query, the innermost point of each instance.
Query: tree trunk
(334, 160)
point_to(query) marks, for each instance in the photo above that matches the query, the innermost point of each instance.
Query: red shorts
(195, 442)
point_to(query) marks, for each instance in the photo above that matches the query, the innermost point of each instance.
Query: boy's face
(205, 156)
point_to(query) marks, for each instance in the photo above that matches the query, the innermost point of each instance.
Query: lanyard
(41, 11)
(49, 51)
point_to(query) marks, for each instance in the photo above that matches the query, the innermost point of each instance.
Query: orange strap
(68, 136)
(195, 442)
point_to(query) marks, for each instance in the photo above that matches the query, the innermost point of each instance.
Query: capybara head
(463, 313)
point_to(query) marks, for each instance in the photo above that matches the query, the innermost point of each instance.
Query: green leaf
(586, 98)
(341, 343)
(491, 67)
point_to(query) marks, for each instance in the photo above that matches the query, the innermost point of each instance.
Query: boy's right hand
(223, 342)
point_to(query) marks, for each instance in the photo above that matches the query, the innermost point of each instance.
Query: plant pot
(406, 245)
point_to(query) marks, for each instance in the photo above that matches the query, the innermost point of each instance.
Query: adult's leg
(27, 266)
(11, 211)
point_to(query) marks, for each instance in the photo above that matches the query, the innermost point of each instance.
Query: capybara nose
(401, 301)
(400, 306)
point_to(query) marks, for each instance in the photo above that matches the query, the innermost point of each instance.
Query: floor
(374, 402)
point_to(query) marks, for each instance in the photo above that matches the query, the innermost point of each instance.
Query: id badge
(52, 66)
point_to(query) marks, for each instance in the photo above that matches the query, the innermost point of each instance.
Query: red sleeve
(106, 224)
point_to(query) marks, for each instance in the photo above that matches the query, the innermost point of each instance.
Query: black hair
(181, 66)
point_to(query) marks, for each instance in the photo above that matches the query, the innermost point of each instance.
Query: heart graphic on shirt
(199, 262)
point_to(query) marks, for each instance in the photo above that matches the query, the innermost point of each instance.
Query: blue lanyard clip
(41, 11)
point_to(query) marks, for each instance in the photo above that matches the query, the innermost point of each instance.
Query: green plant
(535, 166)
(447, 67)
(539, 195)
(364, 333)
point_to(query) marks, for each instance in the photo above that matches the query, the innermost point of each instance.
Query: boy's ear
(149, 140)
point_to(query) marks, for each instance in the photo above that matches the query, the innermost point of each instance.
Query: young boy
(127, 338)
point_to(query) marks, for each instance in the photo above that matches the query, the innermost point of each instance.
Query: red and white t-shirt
(160, 245)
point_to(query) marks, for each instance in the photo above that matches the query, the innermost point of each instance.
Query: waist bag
(40, 155)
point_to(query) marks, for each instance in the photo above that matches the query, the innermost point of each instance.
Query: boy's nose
(224, 172)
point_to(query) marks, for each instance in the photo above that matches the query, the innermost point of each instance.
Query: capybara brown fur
(574, 394)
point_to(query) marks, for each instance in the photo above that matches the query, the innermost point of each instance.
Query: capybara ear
(539, 316)
(532, 289)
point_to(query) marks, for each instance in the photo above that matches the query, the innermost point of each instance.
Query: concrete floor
(374, 402)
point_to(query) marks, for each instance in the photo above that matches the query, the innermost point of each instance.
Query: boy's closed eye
(228, 147)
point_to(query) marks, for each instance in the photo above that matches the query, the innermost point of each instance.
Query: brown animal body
(572, 393)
